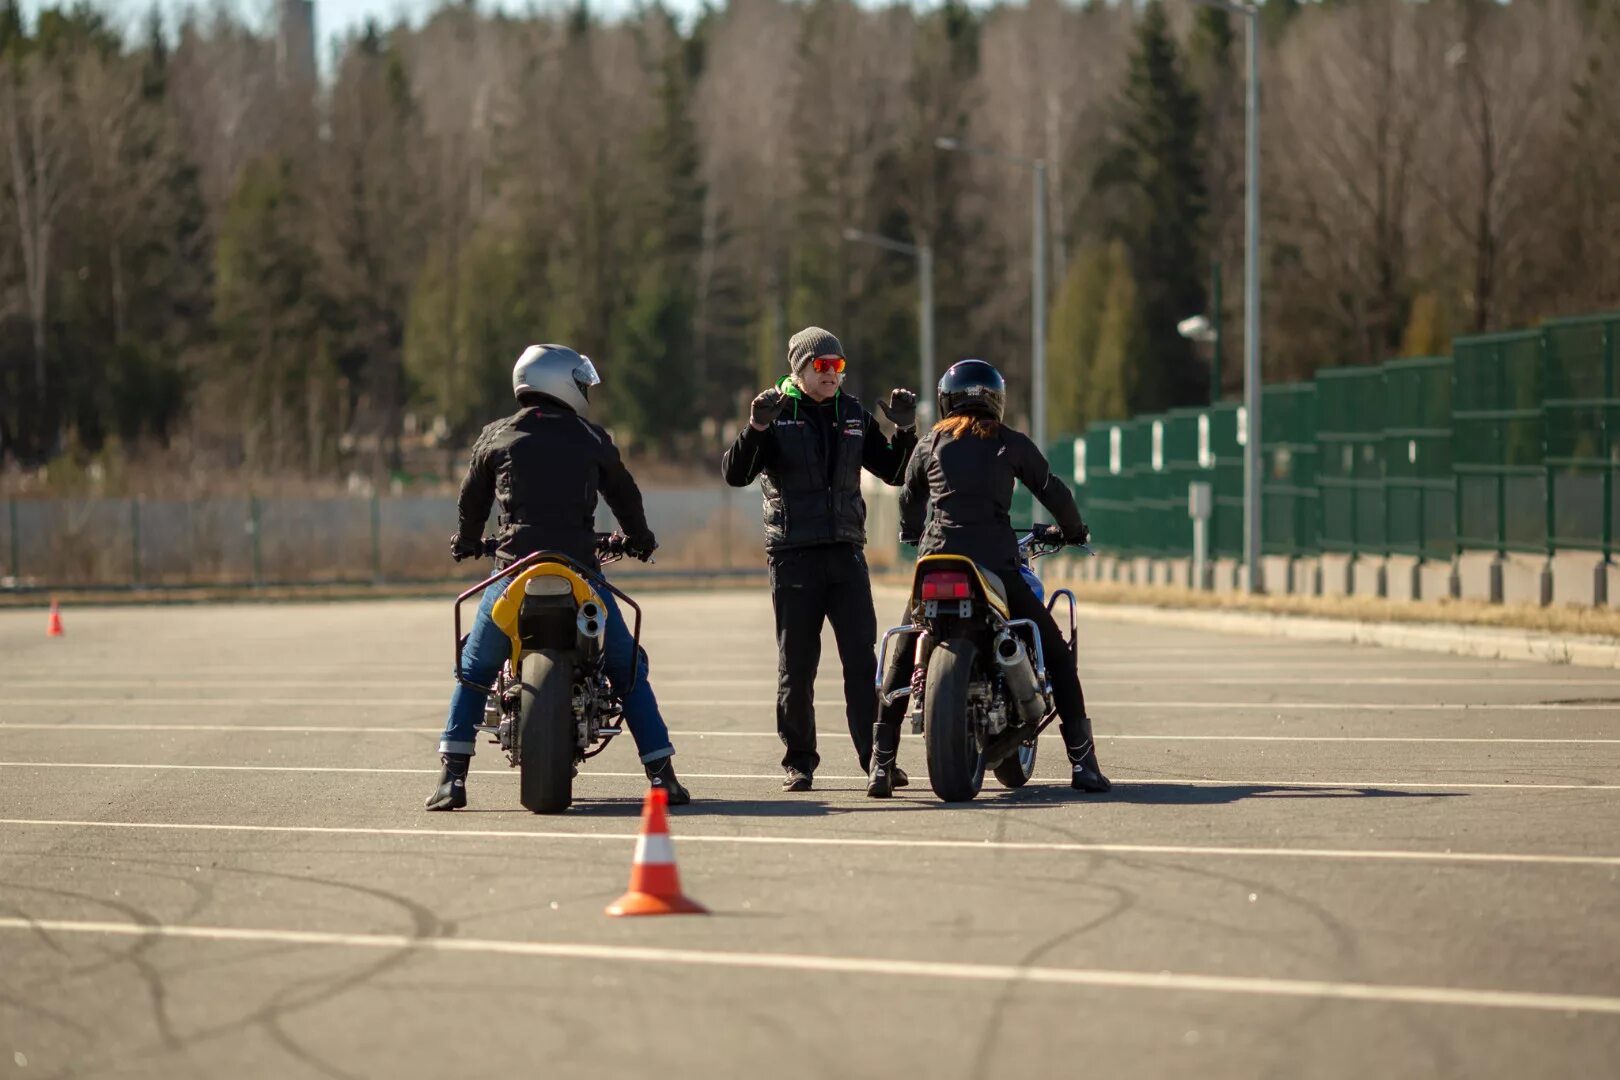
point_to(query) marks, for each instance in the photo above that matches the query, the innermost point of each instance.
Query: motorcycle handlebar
(609, 546)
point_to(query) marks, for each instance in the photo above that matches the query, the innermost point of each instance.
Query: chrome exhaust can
(1019, 672)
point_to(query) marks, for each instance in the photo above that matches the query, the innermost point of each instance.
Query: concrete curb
(1484, 642)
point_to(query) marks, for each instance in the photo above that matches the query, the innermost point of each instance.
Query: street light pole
(1252, 479)
(1038, 255)
(1037, 330)
(925, 312)
(1253, 487)
(925, 334)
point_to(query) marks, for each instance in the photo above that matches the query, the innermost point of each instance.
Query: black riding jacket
(970, 483)
(545, 465)
(810, 463)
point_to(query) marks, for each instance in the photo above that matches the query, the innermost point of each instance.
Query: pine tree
(654, 392)
(269, 316)
(1157, 166)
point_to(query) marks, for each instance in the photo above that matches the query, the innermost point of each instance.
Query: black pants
(1061, 668)
(810, 586)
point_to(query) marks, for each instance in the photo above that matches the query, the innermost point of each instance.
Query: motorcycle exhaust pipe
(591, 625)
(1020, 674)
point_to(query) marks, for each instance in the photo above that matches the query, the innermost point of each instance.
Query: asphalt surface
(1318, 861)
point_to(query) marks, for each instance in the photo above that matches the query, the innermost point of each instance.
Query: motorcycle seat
(993, 581)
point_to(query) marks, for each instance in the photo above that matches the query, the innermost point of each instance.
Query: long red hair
(964, 424)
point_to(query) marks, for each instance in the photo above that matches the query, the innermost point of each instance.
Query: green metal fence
(1420, 491)
(1290, 499)
(1222, 437)
(1512, 443)
(1582, 417)
(1350, 442)
(1497, 442)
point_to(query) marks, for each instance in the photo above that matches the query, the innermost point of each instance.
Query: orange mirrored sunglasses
(824, 364)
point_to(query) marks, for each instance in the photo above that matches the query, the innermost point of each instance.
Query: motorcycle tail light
(946, 586)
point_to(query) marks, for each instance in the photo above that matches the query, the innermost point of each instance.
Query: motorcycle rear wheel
(545, 732)
(1016, 768)
(955, 760)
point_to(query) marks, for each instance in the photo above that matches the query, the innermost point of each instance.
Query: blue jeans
(488, 647)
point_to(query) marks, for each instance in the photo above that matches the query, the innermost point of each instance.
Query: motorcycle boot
(451, 794)
(1088, 775)
(885, 774)
(661, 773)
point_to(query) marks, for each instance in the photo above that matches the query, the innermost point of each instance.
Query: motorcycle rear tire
(955, 759)
(546, 732)
(1016, 768)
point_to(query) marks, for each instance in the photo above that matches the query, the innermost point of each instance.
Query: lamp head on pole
(1196, 328)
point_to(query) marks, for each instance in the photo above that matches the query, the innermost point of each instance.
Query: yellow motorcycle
(552, 706)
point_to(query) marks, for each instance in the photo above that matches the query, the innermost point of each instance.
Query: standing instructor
(808, 441)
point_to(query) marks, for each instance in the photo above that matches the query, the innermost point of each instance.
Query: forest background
(219, 268)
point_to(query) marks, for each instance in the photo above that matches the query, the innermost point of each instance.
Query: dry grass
(322, 593)
(1558, 619)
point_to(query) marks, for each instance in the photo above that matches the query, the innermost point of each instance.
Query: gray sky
(334, 18)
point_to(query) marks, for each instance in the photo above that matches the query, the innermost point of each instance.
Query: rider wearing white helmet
(545, 465)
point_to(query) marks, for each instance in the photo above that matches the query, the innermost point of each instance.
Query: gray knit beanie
(808, 344)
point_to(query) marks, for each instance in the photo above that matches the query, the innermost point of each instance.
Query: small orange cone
(655, 884)
(53, 626)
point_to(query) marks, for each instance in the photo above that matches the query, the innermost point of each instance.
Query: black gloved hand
(901, 409)
(1080, 538)
(766, 408)
(641, 547)
(461, 549)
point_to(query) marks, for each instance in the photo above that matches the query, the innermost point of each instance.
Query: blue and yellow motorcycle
(551, 707)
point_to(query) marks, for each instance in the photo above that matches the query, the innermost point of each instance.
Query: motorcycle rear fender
(929, 563)
(504, 612)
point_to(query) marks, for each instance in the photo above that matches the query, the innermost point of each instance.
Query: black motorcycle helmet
(972, 386)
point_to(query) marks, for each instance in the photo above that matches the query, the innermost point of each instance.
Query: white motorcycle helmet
(556, 372)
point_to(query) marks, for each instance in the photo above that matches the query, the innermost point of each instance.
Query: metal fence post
(1605, 441)
(253, 533)
(16, 542)
(135, 539)
(376, 538)
(725, 527)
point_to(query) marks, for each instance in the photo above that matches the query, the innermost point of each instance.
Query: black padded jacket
(809, 463)
(545, 466)
(969, 481)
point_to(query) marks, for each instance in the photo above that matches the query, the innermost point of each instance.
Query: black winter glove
(1081, 537)
(766, 408)
(641, 547)
(461, 549)
(901, 409)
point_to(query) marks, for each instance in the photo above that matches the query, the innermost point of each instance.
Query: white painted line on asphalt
(1142, 781)
(982, 846)
(768, 681)
(1168, 981)
(418, 732)
(762, 703)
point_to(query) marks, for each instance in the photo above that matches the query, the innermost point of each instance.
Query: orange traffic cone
(655, 884)
(53, 625)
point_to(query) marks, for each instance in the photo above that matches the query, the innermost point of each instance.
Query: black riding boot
(451, 794)
(1082, 749)
(885, 775)
(661, 773)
